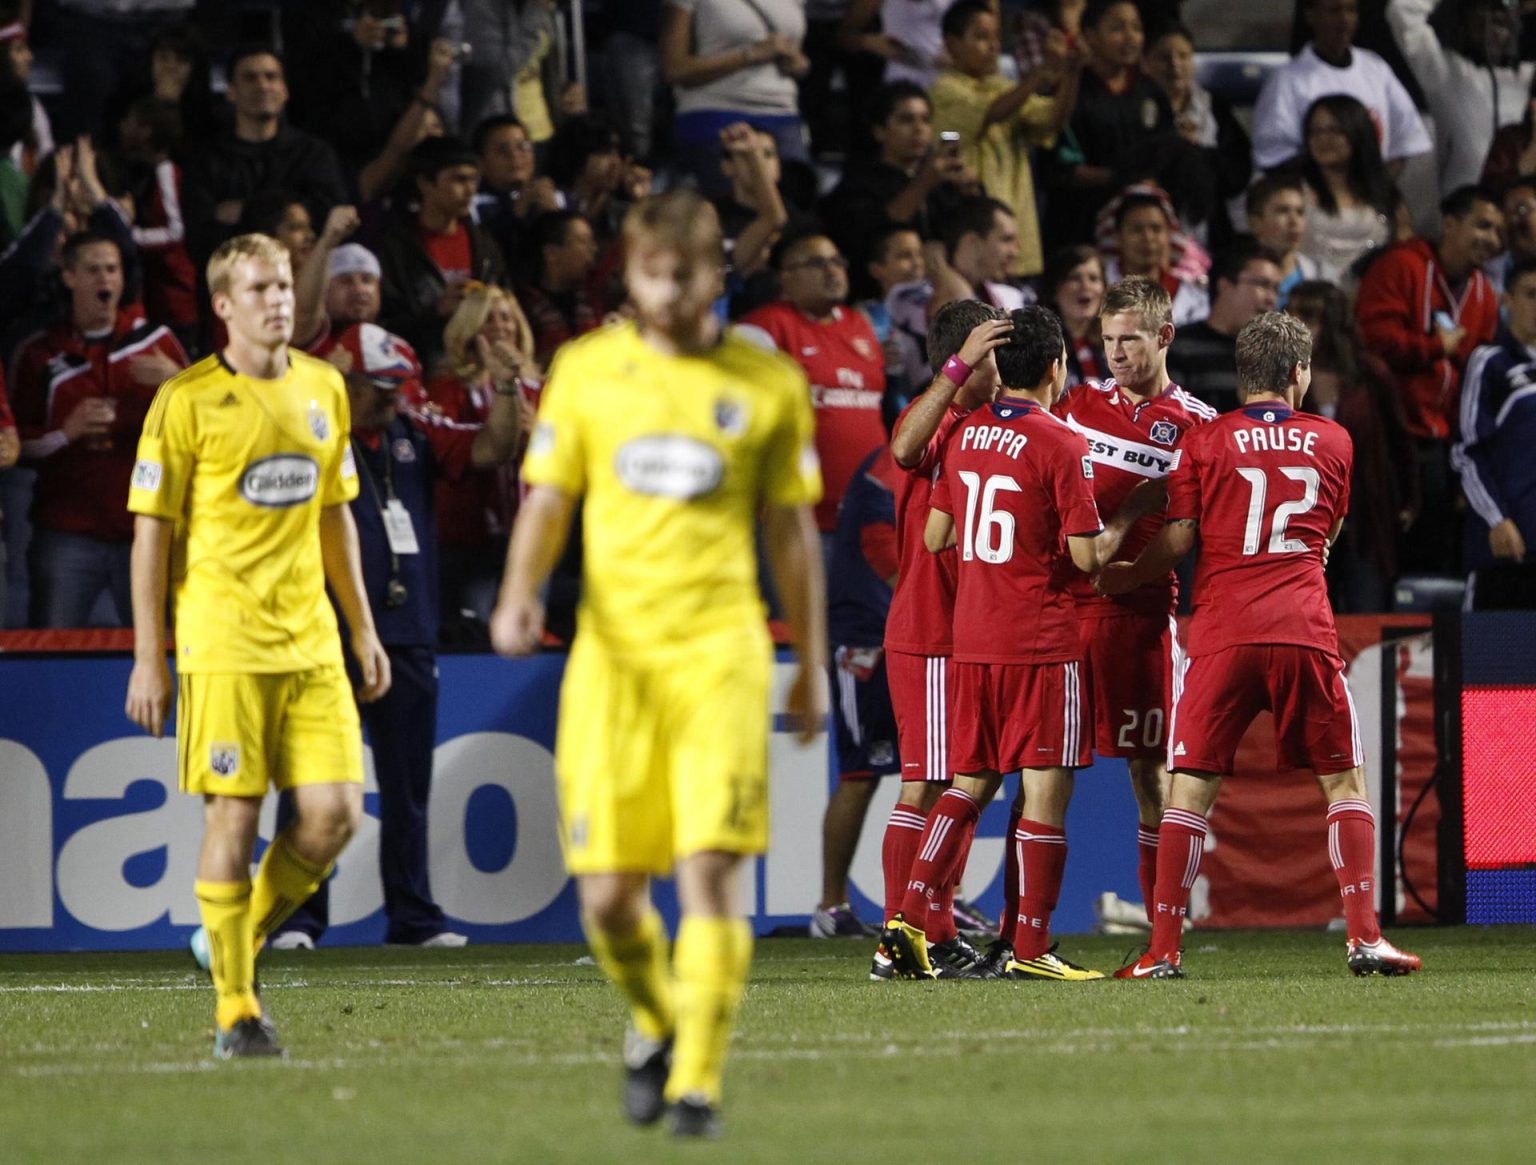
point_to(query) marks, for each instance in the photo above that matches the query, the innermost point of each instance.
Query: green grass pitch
(1269, 1052)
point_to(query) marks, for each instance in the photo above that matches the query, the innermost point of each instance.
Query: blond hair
(1137, 293)
(680, 220)
(221, 266)
(1268, 347)
(467, 321)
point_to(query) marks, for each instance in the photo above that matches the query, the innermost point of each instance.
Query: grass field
(1270, 1051)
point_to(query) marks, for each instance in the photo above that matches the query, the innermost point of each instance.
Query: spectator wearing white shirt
(1330, 63)
(1467, 62)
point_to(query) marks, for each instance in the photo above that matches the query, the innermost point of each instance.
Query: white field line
(1078, 1041)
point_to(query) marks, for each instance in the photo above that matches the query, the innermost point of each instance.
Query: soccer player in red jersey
(1015, 493)
(1133, 424)
(1267, 488)
(961, 340)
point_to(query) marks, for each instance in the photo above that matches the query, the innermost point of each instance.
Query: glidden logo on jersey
(284, 480)
(669, 466)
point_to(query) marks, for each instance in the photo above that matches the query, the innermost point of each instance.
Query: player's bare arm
(1086, 553)
(922, 422)
(538, 540)
(939, 533)
(794, 555)
(149, 684)
(1173, 542)
(344, 573)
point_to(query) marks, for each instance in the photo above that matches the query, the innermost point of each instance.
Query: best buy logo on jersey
(286, 479)
(668, 465)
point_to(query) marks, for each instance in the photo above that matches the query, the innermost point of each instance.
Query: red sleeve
(940, 499)
(451, 443)
(1391, 294)
(1347, 451)
(771, 320)
(6, 420)
(1184, 482)
(30, 389)
(877, 541)
(1072, 485)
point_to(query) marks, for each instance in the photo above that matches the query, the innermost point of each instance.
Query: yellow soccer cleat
(1049, 966)
(907, 949)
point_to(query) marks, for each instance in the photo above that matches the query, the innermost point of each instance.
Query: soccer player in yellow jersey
(676, 437)
(241, 488)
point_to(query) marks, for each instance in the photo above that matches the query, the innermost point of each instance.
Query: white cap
(350, 258)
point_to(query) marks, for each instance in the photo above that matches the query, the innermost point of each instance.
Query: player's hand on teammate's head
(517, 625)
(984, 339)
(807, 703)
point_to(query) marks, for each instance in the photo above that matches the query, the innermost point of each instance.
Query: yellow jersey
(674, 457)
(243, 467)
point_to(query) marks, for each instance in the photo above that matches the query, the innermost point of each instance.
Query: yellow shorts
(238, 733)
(660, 759)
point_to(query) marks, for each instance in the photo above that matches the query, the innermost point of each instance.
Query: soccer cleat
(955, 958)
(908, 950)
(838, 922)
(248, 1038)
(1144, 966)
(291, 940)
(999, 955)
(646, 1064)
(445, 940)
(1380, 958)
(880, 967)
(1049, 966)
(971, 922)
(198, 945)
(694, 1116)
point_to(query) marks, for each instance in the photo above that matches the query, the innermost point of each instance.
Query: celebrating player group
(1032, 622)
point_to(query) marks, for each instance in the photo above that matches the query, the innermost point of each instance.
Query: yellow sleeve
(1037, 117)
(341, 483)
(557, 450)
(960, 106)
(166, 457)
(791, 469)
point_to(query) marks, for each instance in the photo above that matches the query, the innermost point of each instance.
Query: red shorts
(1007, 716)
(1130, 661)
(920, 687)
(1315, 723)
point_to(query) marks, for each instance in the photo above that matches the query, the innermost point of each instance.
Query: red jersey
(474, 509)
(450, 250)
(843, 361)
(1267, 485)
(170, 277)
(1130, 442)
(922, 609)
(1018, 483)
(82, 486)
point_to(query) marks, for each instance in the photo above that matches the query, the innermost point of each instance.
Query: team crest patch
(863, 347)
(1164, 432)
(319, 424)
(731, 417)
(1004, 411)
(224, 759)
(146, 476)
(403, 450)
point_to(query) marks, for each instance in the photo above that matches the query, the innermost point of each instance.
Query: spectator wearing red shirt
(10, 449)
(1424, 308)
(837, 347)
(148, 134)
(83, 387)
(490, 349)
(559, 299)
(427, 258)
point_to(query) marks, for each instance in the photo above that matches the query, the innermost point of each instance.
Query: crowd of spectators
(440, 170)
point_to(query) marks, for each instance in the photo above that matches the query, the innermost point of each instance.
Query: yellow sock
(284, 881)
(711, 967)
(637, 965)
(226, 911)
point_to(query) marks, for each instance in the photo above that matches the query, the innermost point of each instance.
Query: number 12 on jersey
(988, 532)
(1258, 483)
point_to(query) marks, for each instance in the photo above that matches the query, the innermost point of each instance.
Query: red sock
(1011, 875)
(1146, 864)
(1180, 846)
(902, 833)
(941, 922)
(1042, 856)
(1352, 851)
(945, 837)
